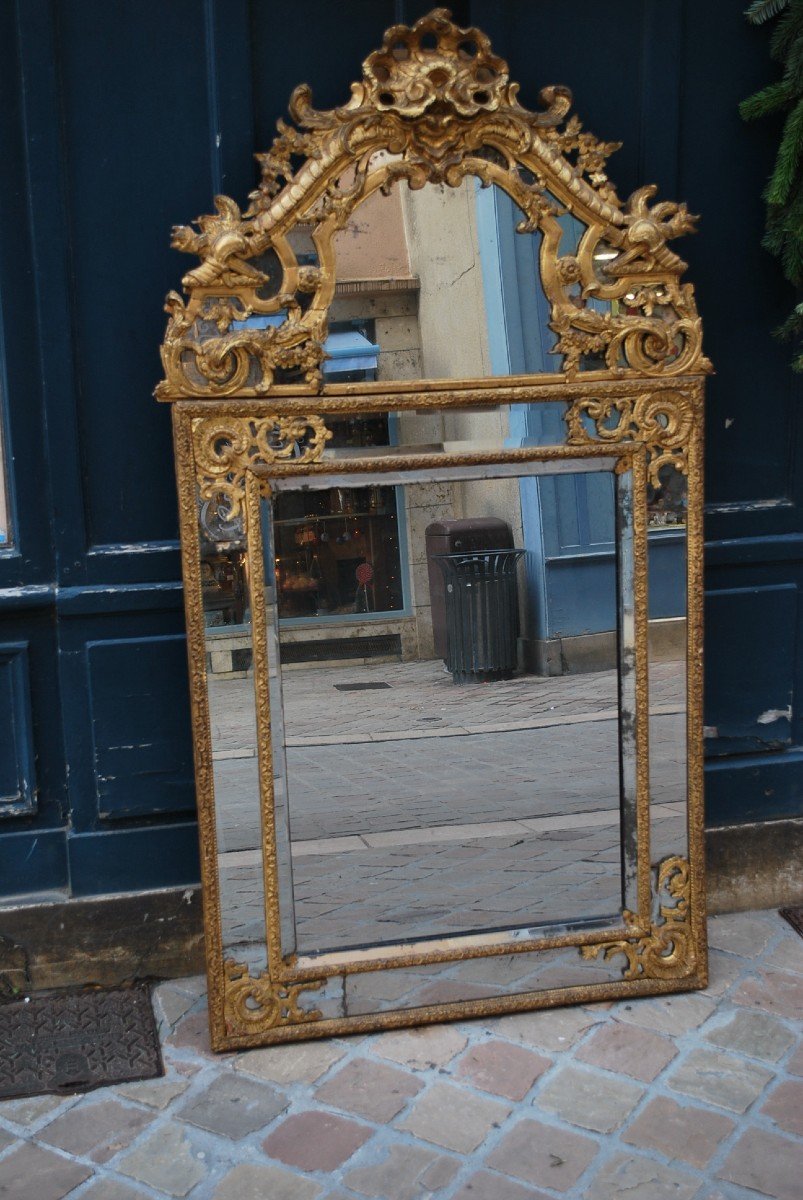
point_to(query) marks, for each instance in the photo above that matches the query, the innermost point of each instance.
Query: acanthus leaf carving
(660, 420)
(226, 447)
(666, 951)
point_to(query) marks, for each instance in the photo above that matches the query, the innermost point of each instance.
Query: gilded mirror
(437, 399)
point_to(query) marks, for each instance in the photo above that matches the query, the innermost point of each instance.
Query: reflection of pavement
(426, 808)
(492, 876)
(421, 701)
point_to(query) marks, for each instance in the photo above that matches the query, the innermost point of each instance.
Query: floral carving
(226, 447)
(667, 951)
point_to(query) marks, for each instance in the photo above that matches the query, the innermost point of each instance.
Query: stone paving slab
(693, 1097)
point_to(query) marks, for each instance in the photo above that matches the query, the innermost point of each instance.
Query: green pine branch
(783, 236)
(761, 10)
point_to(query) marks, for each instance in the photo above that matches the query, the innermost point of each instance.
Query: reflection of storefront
(338, 553)
(341, 563)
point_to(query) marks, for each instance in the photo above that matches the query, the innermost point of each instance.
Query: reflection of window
(337, 551)
(223, 568)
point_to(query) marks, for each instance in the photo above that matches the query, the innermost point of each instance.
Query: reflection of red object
(365, 573)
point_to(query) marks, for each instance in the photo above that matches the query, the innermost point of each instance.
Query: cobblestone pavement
(692, 1097)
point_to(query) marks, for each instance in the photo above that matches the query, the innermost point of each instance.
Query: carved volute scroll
(434, 105)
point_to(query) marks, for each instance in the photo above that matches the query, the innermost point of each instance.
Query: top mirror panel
(445, 283)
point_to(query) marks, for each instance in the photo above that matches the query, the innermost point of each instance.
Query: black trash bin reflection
(482, 614)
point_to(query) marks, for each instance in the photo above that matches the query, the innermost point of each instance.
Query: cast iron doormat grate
(795, 918)
(77, 1041)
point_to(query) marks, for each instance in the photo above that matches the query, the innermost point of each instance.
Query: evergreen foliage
(784, 190)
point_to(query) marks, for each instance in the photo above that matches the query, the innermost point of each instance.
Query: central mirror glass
(437, 784)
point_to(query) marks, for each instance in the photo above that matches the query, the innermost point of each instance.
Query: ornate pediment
(435, 104)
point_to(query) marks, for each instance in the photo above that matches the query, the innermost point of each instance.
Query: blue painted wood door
(122, 118)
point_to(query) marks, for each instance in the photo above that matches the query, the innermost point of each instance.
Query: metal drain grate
(76, 1041)
(360, 687)
(331, 649)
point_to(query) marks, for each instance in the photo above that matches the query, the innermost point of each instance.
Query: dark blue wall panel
(759, 716)
(17, 768)
(131, 164)
(140, 733)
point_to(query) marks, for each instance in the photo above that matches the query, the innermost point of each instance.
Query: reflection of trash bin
(482, 614)
(468, 535)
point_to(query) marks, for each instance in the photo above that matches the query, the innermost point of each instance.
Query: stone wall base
(585, 652)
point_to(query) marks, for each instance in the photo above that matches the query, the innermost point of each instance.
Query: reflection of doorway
(568, 524)
(336, 564)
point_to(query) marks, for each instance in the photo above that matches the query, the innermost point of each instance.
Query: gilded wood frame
(245, 401)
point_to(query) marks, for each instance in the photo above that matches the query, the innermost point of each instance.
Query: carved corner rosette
(252, 1004)
(434, 104)
(667, 951)
(226, 448)
(661, 420)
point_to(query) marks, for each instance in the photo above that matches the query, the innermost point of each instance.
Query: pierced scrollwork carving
(667, 951)
(225, 447)
(435, 104)
(661, 420)
(253, 1004)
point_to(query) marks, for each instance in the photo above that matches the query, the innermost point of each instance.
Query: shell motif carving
(435, 104)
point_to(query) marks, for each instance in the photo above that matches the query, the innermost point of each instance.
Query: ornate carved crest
(434, 105)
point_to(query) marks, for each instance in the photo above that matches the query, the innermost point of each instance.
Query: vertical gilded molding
(695, 815)
(642, 669)
(199, 708)
(259, 633)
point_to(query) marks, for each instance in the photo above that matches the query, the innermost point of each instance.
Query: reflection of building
(437, 283)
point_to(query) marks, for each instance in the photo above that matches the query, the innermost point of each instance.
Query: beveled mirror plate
(255, 429)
